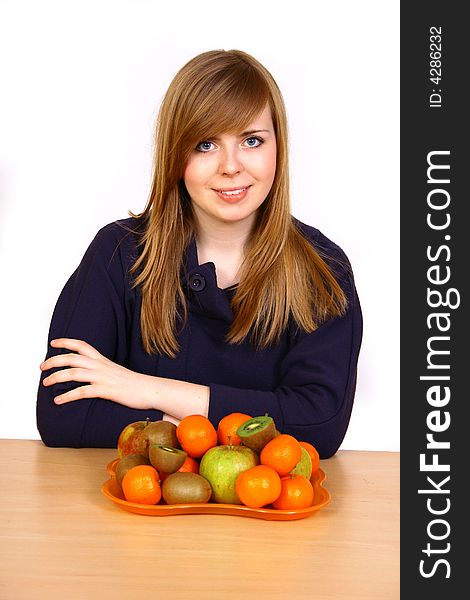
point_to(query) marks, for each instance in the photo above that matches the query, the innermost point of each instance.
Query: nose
(230, 161)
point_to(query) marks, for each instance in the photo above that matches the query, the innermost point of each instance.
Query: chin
(235, 217)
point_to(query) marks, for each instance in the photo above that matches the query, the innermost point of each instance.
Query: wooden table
(60, 538)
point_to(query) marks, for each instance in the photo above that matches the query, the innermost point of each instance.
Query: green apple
(221, 465)
(304, 466)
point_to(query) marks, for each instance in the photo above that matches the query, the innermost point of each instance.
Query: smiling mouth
(229, 193)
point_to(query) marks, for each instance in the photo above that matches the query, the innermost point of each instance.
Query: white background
(81, 85)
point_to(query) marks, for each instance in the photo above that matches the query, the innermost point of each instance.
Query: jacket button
(197, 282)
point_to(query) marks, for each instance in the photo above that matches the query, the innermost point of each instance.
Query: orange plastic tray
(321, 497)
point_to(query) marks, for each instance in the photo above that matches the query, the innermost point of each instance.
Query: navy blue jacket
(306, 382)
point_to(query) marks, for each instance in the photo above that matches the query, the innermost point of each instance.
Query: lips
(232, 189)
(232, 194)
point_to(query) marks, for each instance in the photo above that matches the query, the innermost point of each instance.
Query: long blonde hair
(282, 276)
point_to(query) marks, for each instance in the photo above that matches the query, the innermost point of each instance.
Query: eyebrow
(245, 133)
(254, 131)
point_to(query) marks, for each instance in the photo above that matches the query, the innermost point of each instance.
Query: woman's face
(228, 177)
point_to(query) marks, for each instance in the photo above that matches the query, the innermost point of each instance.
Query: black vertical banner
(435, 267)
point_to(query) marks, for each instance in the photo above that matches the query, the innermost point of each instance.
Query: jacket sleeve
(91, 307)
(314, 398)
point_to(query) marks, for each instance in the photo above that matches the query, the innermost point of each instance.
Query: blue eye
(251, 142)
(204, 146)
(254, 141)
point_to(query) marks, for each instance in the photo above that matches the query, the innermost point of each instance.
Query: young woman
(214, 299)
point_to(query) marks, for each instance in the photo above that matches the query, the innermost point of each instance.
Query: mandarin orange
(282, 453)
(141, 484)
(313, 453)
(196, 434)
(296, 492)
(190, 465)
(258, 486)
(227, 428)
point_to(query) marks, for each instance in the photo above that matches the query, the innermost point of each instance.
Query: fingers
(79, 393)
(80, 375)
(66, 360)
(76, 346)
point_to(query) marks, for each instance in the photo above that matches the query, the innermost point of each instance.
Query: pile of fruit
(245, 461)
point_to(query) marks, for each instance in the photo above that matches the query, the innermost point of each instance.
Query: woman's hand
(106, 379)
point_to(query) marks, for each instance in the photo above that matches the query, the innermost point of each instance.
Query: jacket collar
(202, 292)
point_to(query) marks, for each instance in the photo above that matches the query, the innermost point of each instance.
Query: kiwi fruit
(186, 488)
(162, 433)
(166, 458)
(126, 463)
(257, 432)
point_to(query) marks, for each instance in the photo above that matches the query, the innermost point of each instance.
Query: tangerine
(313, 453)
(282, 453)
(196, 434)
(190, 465)
(227, 429)
(258, 486)
(141, 484)
(296, 492)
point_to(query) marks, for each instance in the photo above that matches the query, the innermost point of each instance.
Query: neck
(223, 244)
(223, 237)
